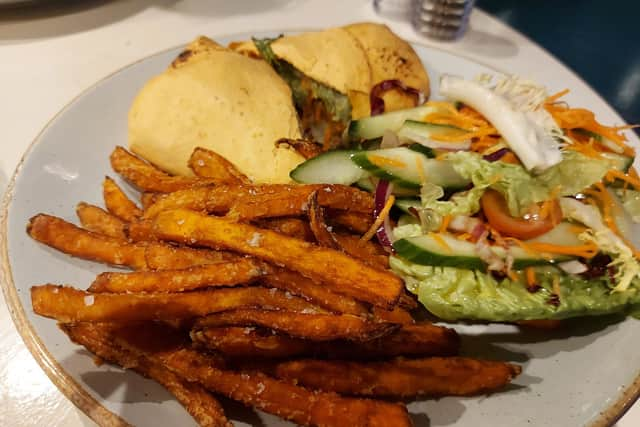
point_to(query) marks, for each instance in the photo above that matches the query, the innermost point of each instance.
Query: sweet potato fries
(260, 293)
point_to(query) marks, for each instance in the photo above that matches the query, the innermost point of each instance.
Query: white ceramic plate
(582, 375)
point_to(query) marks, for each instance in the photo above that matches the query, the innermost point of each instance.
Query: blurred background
(597, 39)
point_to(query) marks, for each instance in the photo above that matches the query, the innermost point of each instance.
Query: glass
(441, 19)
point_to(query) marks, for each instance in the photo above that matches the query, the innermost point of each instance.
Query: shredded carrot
(440, 241)
(531, 276)
(513, 276)
(464, 236)
(588, 149)
(613, 174)
(580, 118)
(456, 136)
(385, 161)
(584, 251)
(445, 223)
(521, 244)
(510, 158)
(577, 229)
(606, 203)
(553, 98)
(484, 143)
(380, 219)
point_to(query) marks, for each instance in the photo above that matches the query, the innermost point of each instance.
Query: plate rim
(77, 394)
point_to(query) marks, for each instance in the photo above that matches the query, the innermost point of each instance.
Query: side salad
(498, 203)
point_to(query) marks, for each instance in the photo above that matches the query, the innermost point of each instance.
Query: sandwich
(221, 100)
(335, 74)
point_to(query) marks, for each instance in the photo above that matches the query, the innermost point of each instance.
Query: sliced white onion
(572, 267)
(485, 253)
(390, 139)
(530, 142)
(464, 224)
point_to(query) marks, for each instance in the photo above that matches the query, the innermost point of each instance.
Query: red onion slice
(496, 155)
(375, 97)
(384, 232)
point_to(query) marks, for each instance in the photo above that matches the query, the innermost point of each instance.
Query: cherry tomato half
(497, 213)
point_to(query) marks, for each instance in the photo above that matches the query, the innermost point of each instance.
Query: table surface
(53, 51)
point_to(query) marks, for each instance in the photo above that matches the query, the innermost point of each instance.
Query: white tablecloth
(49, 54)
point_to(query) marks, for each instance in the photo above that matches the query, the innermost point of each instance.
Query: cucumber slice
(368, 183)
(374, 127)
(442, 250)
(371, 182)
(332, 167)
(405, 203)
(445, 250)
(563, 234)
(409, 169)
(419, 148)
(422, 133)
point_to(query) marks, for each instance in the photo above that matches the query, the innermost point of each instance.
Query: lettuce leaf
(522, 189)
(631, 203)
(452, 294)
(304, 88)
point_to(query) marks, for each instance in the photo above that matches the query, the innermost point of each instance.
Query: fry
(199, 402)
(139, 231)
(314, 327)
(413, 340)
(262, 201)
(160, 256)
(338, 271)
(68, 238)
(316, 221)
(292, 227)
(147, 199)
(147, 177)
(242, 271)
(400, 378)
(294, 201)
(288, 401)
(306, 288)
(209, 164)
(408, 301)
(397, 315)
(118, 203)
(252, 343)
(306, 149)
(367, 251)
(68, 305)
(99, 221)
(353, 221)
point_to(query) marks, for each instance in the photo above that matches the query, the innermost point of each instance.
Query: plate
(587, 373)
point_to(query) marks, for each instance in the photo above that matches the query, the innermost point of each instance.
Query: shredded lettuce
(453, 293)
(519, 187)
(627, 267)
(631, 203)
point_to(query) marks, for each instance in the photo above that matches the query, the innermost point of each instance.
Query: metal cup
(441, 19)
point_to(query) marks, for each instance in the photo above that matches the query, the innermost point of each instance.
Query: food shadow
(522, 344)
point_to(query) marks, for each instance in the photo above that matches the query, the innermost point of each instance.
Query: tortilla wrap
(214, 98)
(332, 57)
(336, 57)
(389, 58)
